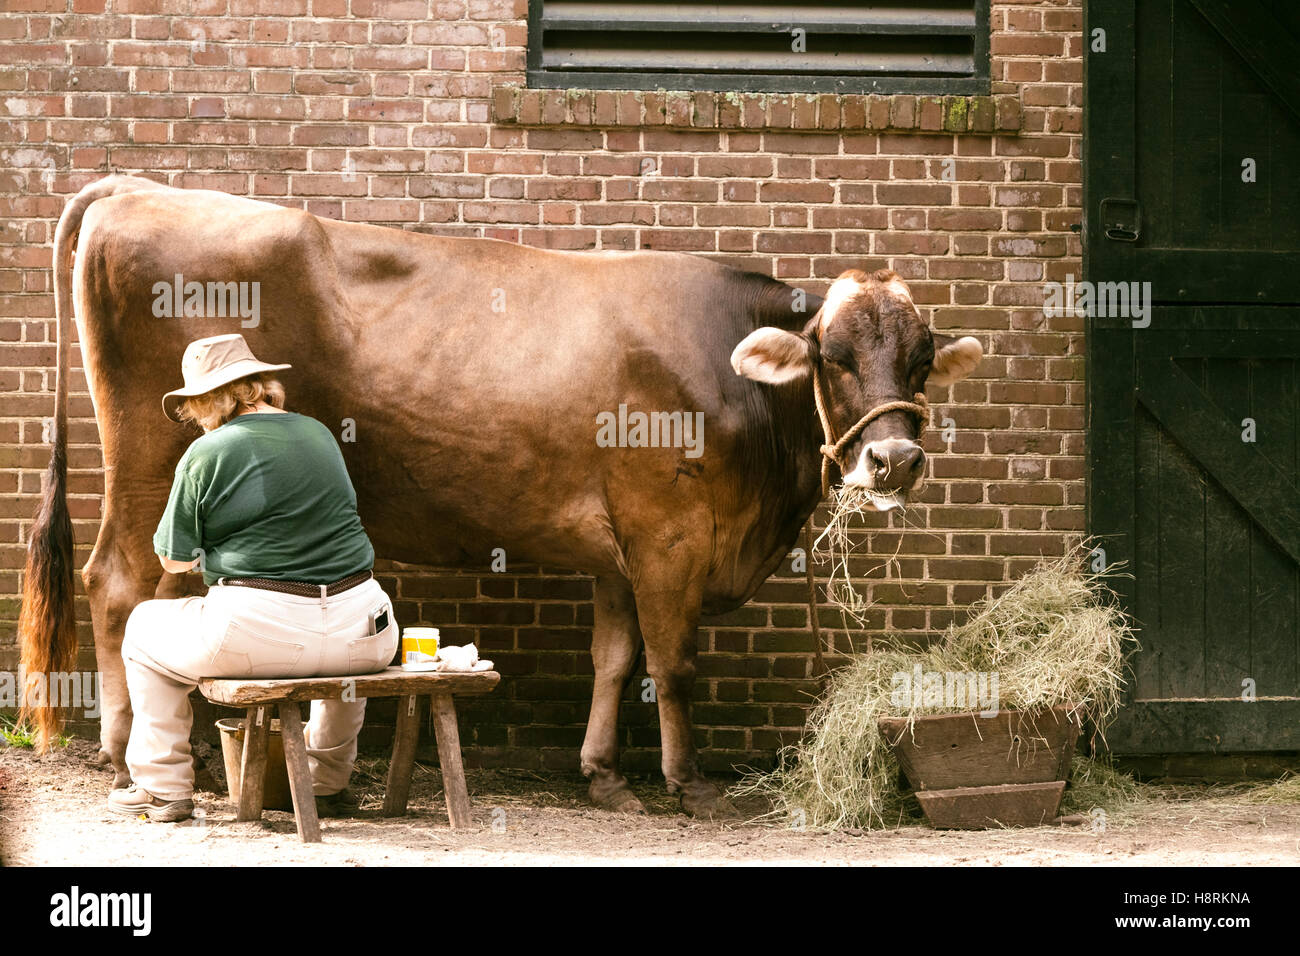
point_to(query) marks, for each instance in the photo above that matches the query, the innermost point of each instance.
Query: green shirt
(265, 495)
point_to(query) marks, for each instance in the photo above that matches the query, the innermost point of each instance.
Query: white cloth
(247, 632)
(461, 658)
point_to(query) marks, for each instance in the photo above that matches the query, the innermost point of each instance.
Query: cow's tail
(47, 630)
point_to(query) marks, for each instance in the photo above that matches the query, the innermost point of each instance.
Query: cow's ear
(773, 356)
(954, 359)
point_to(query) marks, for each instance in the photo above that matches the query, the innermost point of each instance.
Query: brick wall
(409, 113)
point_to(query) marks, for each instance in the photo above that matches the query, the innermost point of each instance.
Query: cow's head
(871, 347)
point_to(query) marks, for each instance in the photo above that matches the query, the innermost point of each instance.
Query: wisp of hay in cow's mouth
(850, 502)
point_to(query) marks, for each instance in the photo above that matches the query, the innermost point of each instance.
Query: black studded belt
(300, 588)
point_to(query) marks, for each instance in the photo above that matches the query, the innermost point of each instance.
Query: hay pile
(1055, 637)
(1285, 790)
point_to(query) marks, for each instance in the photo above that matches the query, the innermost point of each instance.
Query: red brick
(1007, 44)
(756, 166)
(797, 192)
(678, 240)
(385, 111)
(915, 194)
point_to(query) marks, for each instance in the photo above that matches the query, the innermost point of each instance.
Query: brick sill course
(806, 112)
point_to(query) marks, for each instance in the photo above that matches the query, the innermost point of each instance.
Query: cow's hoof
(704, 801)
(627, 802)
(121, 776)
(615, 796)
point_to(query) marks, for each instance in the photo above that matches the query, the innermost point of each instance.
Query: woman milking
(262, 505)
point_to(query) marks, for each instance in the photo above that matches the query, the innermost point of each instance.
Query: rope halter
(832, 449)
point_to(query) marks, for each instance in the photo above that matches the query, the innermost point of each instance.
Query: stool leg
(252, 765)
(403, 762)
(453, 771)
(295, 755)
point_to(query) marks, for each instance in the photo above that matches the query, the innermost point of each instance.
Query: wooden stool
(258, 696)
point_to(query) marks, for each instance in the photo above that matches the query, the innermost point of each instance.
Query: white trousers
(247, 632)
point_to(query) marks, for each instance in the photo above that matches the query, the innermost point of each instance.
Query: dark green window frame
(940, 47)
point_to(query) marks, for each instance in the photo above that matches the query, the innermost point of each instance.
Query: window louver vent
(930, 46)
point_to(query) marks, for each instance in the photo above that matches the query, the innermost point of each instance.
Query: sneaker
(136, 801)
(341, 804)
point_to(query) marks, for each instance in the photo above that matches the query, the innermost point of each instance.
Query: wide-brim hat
(210, 363)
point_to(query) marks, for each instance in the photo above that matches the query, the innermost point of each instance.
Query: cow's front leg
(615, 642)
(669, 619)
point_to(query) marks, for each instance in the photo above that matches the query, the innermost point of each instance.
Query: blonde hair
(213, 409)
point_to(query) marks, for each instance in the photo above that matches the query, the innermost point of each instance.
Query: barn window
(908, 46)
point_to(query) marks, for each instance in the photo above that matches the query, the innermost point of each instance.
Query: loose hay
(1055, 637)
(1285, 790)
(1095, 782)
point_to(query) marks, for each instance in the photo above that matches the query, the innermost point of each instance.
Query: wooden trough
(972, 772)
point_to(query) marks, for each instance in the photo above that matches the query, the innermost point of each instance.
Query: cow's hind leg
(669, 616)
(615, 643)
(121, 573)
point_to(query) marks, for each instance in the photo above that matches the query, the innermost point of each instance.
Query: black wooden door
(1192, 183)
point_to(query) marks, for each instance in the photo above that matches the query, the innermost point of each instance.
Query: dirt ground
(52, 812)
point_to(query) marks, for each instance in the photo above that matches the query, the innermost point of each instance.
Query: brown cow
(480, 377)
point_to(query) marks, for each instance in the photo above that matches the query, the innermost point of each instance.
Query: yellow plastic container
(419, 645)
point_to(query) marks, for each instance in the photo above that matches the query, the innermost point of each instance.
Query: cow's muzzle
(889, 469)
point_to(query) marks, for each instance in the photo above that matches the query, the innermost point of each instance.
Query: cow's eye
(840, 357)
